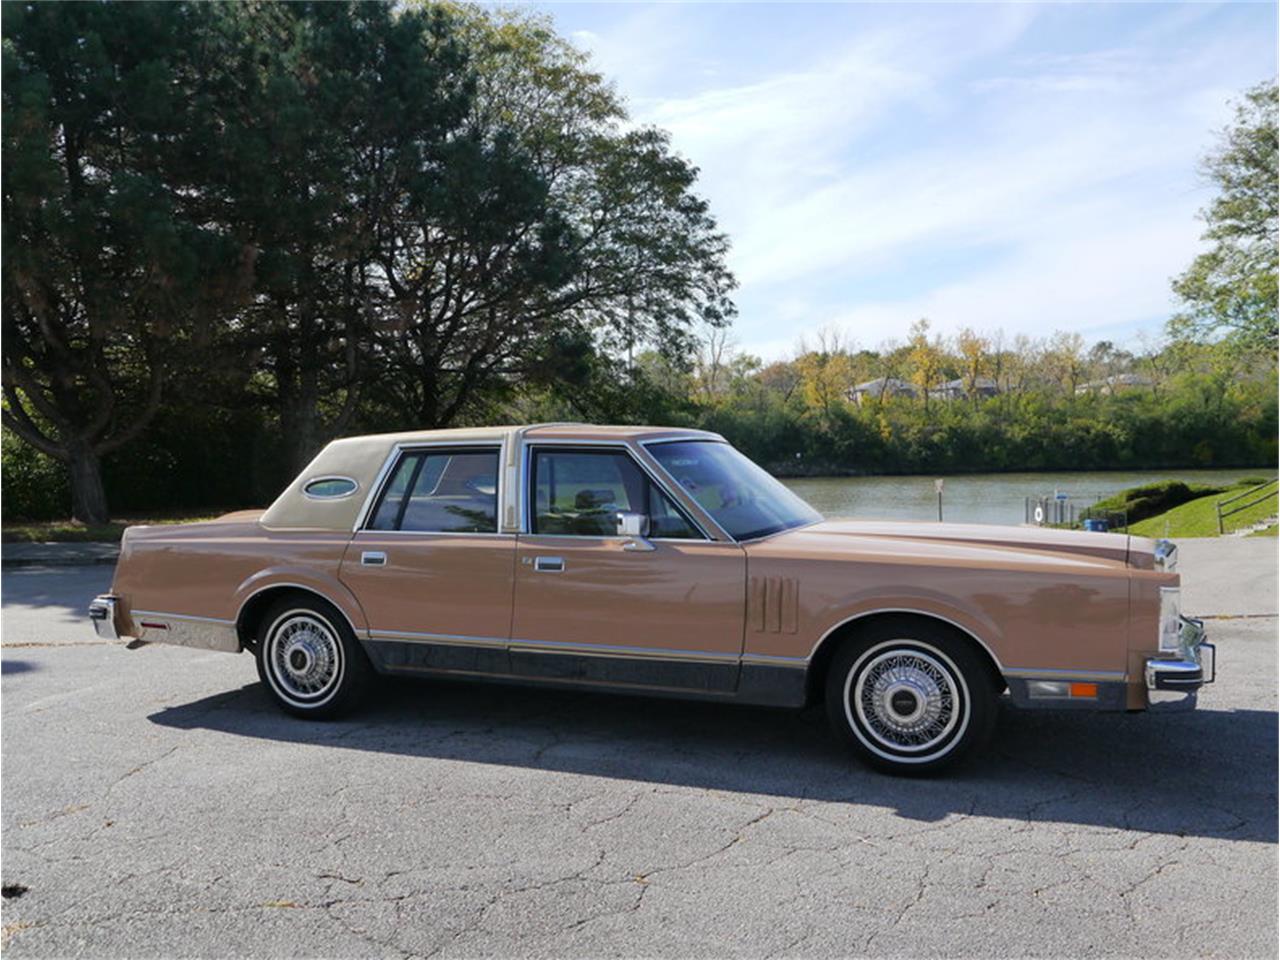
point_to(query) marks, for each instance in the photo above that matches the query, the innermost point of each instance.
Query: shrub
(35, 485)
(1151, 499)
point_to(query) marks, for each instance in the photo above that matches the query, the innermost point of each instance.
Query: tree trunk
(88, 498)
(298, 422)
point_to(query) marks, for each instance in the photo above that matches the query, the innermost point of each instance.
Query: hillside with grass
(1196, 515)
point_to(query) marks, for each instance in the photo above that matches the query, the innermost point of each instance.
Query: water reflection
(982, 497)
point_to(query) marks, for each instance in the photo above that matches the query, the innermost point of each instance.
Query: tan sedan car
(656, 561)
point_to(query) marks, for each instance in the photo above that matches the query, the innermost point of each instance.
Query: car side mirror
(635, 527)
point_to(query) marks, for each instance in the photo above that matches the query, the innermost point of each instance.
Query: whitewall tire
(309, 659)
(910, 696)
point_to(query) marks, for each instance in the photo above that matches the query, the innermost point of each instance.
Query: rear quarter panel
(209, 570)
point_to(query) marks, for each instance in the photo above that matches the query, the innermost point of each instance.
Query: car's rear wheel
(309, 659)
(910, 697)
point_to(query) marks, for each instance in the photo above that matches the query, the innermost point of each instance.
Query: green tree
(568, 228)
(974, 350)
(106, 269)
(1065, 361)
(925, 358)
(1231, 287)
(826, 374)
(342, 123)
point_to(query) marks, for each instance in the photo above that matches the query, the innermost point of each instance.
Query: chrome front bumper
(103, 614)
(1194, 665)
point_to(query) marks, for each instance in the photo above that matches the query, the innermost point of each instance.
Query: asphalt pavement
(155, 804)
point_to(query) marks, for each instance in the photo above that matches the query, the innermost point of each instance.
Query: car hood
(942, 539)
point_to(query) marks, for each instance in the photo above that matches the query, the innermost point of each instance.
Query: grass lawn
(1271, 531)
(1199, 517)
(71, 531)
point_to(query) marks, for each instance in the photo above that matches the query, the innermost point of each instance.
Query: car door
(430, 568)
(662, 612)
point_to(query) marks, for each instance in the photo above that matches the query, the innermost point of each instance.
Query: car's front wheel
(909, 696)
(309, 659)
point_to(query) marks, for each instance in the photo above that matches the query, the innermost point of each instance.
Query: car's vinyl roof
(360, 458)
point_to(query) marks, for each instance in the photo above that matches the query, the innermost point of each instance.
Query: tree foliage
(1057, 406)
(1231, 287)
(585, 238)
(235, 230)
(105, 270)
(350, 213)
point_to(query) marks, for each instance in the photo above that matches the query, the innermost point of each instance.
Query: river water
(980, 497)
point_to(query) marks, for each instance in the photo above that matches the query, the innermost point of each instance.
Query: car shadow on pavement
(1209, 773)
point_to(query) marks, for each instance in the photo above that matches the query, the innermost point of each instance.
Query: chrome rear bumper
(102, 612)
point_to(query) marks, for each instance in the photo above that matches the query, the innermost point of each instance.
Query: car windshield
(743, 499)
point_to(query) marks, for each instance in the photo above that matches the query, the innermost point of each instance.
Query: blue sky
(1027, 167)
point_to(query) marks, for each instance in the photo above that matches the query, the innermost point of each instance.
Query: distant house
(879, 388)
(1115, 384)
(958, 389)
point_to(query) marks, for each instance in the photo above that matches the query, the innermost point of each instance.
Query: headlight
(1166, 556)
(1170, 621)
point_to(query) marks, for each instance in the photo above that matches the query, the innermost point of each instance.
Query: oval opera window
(330, 488)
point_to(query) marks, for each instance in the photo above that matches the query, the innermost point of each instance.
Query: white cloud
(1055, 180)
(1079, 276)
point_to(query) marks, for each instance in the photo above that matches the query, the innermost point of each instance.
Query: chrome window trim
(388, 466)
(526, 476)
(778, 533)
(704, 436)
(433, 533)
(355, 487)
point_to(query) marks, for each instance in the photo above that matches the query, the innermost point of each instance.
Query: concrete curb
(58, 554)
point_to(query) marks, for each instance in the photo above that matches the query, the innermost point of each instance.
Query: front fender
(968, 618)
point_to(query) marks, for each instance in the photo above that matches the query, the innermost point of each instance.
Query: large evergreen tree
(335, 112)
(105, 272)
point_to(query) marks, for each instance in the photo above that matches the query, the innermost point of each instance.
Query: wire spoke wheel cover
(906, 701)
(304, 658)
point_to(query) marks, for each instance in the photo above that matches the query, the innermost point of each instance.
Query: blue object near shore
(1095, 525)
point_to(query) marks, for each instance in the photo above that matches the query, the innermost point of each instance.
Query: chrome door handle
(549, 564)
(373, 558)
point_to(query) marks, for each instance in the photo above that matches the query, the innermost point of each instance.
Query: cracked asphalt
(155, 804)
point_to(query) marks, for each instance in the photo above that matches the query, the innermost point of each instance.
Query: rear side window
(441, 491)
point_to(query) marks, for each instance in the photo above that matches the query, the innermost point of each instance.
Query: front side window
(743, 498)
(581, 492)
(441, 491)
